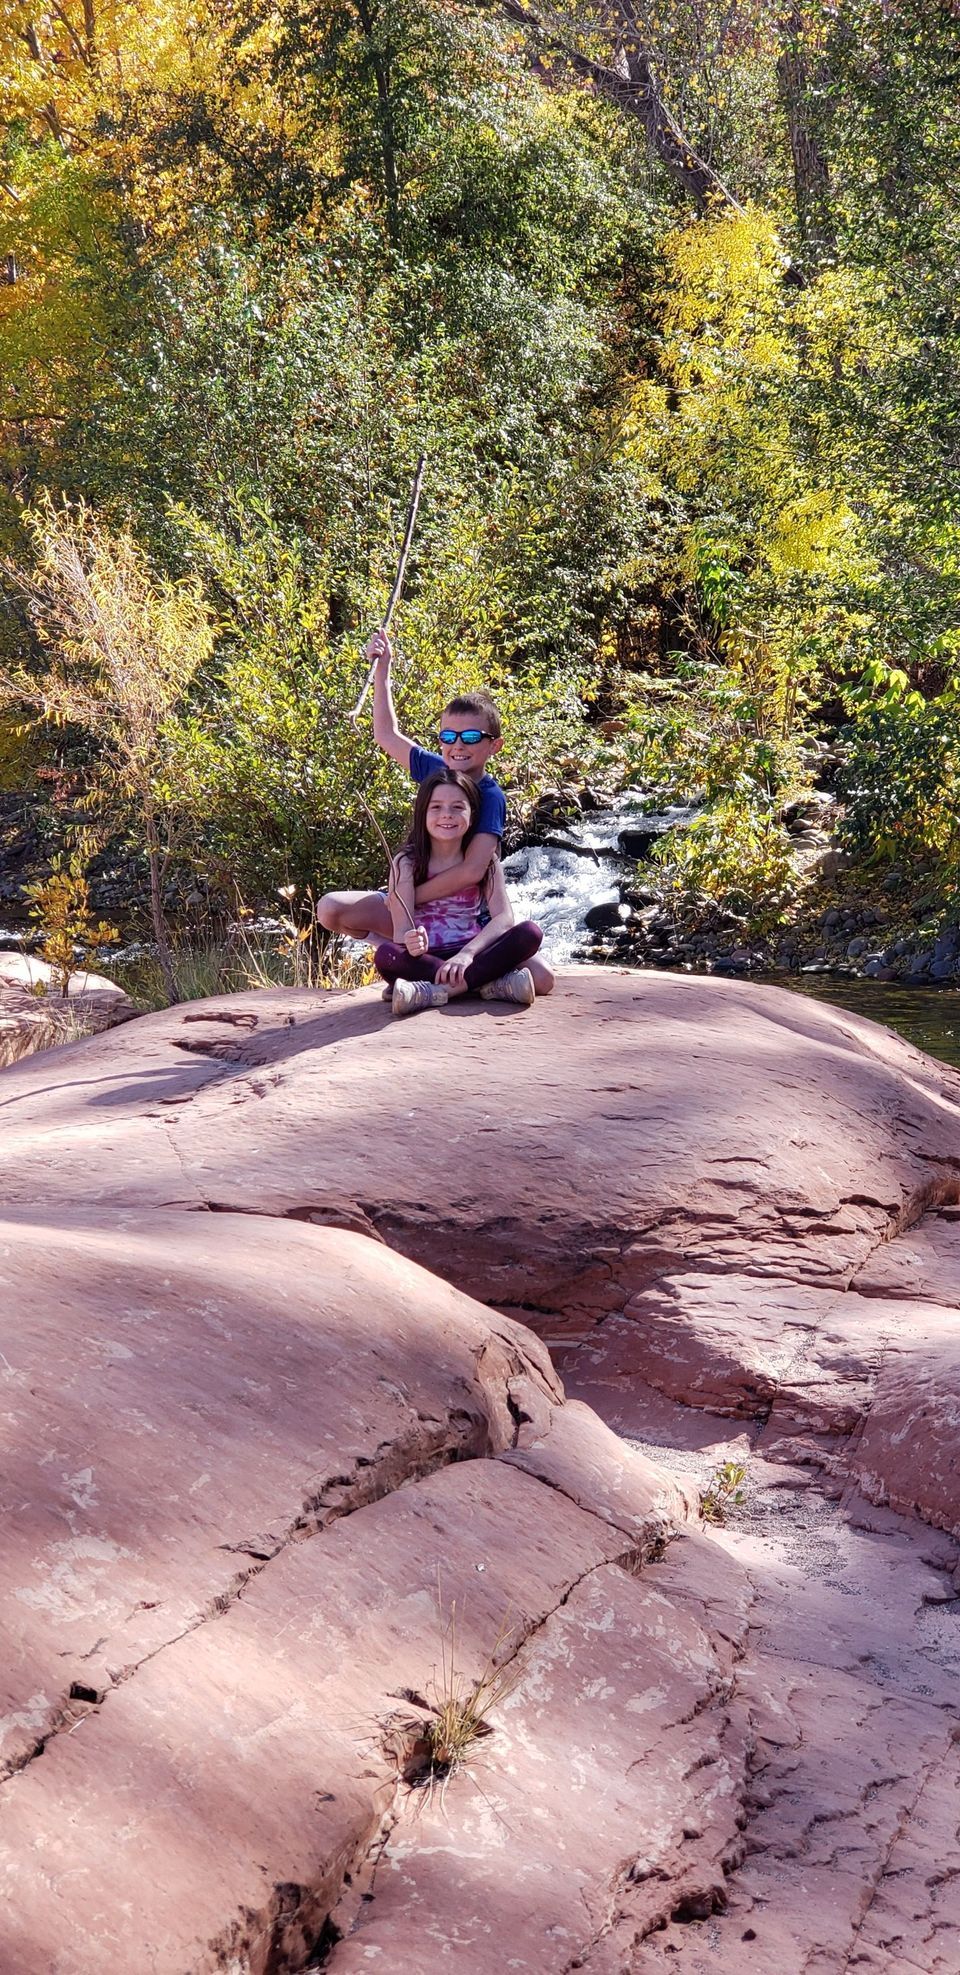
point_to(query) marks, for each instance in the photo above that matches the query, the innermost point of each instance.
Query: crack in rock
(463, 1437)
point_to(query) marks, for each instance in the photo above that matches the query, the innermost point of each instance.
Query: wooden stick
(398, 579)
(365, 806)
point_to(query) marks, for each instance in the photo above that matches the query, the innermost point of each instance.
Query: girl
(466, 943)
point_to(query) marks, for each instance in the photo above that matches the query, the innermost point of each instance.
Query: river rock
(603, 912)
(638, 842)
(828, 864)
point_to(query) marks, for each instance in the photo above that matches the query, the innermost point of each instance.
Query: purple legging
(512, 949)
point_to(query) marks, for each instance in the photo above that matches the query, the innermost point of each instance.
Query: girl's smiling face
(448, 815)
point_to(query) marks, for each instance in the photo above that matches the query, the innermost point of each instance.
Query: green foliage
(277, 780)
(706, 730)
(60, 908)
(735, 855)
(700, 471)
(901, 779)
(724, 1491)
(120, 648)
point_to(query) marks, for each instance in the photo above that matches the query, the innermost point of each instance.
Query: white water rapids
(557, 886)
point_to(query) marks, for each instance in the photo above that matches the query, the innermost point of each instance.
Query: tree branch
(630, 83)
(71, 33)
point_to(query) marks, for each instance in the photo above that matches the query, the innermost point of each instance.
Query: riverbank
(590, 872)
(886, 935)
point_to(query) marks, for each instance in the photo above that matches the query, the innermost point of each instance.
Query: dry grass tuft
(459, 1707)
(249, 955)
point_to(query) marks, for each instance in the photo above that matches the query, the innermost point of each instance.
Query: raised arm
(386, 733)
(471, 870)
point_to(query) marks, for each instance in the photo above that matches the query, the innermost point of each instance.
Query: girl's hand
(453, 972)
(378, 647)
(415, 941)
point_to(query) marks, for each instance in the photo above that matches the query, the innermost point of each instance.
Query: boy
(469, 737)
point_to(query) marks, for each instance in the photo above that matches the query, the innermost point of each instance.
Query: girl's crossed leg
(510, 950)
(359, 914)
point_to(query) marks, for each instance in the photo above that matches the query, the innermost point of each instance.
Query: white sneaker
(517, 986)
(410, 996)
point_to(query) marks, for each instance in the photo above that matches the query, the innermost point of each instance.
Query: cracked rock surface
(258, 1458)
(845, 1620)
(259, 1477)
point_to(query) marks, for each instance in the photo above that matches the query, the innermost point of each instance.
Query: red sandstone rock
(211, 1616)
(711, 1202)
(657, 1124)
(574, 1451)
(909, 1450)
(713, 1192)
(204, 1816)
(33, 1012)
(852, 1850)
(595, 1746)
(184, 1393)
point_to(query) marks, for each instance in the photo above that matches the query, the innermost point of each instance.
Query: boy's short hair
(482, 708)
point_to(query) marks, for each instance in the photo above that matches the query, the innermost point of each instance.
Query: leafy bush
(736, 855)
(70, 936)
(901, 781)
(703, 732)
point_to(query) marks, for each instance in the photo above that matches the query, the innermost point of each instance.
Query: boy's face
(468, 757)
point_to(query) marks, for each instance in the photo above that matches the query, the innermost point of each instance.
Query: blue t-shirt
(492, 820)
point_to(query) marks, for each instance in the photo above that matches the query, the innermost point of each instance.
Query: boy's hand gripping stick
(398, 579)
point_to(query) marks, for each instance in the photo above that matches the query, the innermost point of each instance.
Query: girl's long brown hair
(416, 845)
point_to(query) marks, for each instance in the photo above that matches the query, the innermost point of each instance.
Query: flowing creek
(580, 868)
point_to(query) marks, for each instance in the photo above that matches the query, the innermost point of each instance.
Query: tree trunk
(628, 80)
(811, 172)
(388, 141)
(160, 933)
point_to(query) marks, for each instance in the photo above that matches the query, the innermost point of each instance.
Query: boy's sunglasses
(469, 735)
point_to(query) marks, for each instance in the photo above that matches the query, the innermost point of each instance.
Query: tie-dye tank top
(451, 922)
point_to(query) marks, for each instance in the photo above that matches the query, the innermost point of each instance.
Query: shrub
(60, 908)
(901, 780)
(700, 733)
(736, 855)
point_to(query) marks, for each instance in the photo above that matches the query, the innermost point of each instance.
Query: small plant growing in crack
(459, 1707)
(723, 1492)
(456, 1708)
